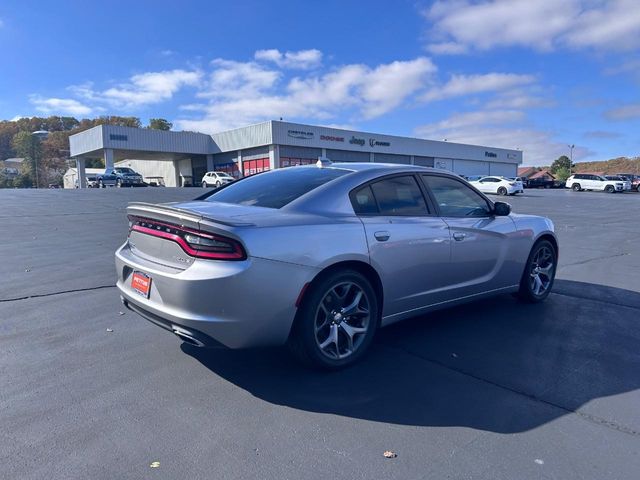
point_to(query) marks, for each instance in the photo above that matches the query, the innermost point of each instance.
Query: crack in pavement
(51, 294)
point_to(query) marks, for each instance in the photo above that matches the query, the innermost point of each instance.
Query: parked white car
(519, 182)
(497, 185)
(589, 181)
(626, 183)
(216, 179)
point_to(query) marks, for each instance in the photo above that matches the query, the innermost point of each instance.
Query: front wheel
(609, 189)
(336, 321)
(218, 184)
(204, 184)
(539, 273)
(502, 191)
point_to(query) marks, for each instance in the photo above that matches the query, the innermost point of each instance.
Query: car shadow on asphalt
(496, 365)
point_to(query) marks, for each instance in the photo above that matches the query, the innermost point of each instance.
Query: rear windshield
(277, 188)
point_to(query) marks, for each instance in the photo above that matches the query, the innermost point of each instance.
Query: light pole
(571, 147)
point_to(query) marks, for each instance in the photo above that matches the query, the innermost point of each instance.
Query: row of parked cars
(607, 183)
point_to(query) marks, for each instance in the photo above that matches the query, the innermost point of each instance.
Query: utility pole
(571, 147)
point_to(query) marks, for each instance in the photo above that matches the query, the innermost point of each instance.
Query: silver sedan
(320, 257)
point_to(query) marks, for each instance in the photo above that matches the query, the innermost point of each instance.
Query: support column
(274, 156)
(210, 167)
(81, 175)
(324, 153)
(372, 157)
(239, 164)
(176, 169)
(413, 160)
(108, 158)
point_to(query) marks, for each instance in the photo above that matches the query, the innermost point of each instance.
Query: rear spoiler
(183, 217)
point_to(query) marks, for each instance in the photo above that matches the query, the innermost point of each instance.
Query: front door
(408, 245)
(481, 242)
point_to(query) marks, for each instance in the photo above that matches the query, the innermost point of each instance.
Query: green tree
(561, 162)
(562, 174)
(94, 163)
(160, 124)
(28, 146)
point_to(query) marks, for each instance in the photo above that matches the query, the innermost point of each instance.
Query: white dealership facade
(182, 158)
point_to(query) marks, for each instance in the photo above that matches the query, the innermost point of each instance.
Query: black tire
(204, 184)
(609, 189)
(576, 187)
(100, 184)
(527, 291)
(303, 340)
(218, 184)
(502, 191)
(118, 183)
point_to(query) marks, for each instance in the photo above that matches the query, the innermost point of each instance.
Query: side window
(363, 201)
(399, 196)
(455, 199)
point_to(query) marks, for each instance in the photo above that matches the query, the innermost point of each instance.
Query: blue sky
(535, 75)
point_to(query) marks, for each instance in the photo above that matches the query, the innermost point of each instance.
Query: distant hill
(615, 165)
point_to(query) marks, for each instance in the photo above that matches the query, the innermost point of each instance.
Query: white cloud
(58, 106)
(1, 23)
(463, 25)
(246, 92)
(519, 99)
(460, 85)
(302, 59)
(625, 112)
(500, 128)
(142, 89)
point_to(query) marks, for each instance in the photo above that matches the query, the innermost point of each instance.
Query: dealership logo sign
(357, 141)
(300, 134)
(331, 138)
(490, 154)
(376, 143)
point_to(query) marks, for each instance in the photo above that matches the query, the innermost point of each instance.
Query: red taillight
(193, 242)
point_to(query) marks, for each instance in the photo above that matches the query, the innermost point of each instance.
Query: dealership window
(292, 161)
(257, 165)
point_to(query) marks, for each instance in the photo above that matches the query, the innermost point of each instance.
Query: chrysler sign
(305, 135)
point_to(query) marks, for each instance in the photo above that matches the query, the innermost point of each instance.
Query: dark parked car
(120, 177)
(540, 182)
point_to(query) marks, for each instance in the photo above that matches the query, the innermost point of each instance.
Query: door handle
(382, 236)
(459, 236)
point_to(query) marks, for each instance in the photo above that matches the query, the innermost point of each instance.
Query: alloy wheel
(342, 319)
(541, 271)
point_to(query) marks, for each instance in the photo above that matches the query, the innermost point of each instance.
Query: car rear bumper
(237, 304)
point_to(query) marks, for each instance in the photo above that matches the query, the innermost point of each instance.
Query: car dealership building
(182, 158)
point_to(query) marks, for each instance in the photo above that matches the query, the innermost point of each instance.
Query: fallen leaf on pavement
(154, 464)
(390, 454)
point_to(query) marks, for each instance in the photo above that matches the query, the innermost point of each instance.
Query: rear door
(408, 244)
(481, 242)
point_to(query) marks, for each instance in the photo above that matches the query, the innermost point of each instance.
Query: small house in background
(11, 167)
(526, 172)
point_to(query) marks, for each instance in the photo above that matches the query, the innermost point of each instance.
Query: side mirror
(501, 209)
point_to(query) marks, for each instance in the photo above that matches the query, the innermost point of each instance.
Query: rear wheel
(502, 191)
(576, 187)
(539, 273)
(336, 322)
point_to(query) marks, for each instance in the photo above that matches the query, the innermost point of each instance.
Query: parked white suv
(216, 179)
(589, 181)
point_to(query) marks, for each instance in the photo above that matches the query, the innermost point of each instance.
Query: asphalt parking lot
(492, 390)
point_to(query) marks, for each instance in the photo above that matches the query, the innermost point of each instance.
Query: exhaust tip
(187, 336)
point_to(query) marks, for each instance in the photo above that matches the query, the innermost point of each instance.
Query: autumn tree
(160, 124)
(28, 146)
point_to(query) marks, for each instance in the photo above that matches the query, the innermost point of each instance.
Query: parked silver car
(319, 257)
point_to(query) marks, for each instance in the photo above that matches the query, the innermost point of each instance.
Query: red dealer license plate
(141, 283)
